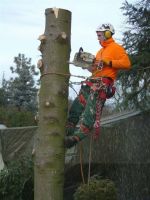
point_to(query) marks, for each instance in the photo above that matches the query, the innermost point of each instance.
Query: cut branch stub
(42, 38)
(40, 65)
(41, 48)
(62, 37)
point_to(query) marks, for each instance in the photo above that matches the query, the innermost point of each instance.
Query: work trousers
(87, 108)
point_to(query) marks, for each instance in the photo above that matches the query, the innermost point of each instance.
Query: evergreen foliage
(22, 88)
(135, 84)
(18, 95)
(4, 93)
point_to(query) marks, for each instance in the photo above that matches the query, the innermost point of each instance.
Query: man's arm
(121, 59)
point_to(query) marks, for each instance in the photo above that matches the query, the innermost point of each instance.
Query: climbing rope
(89, 161)
(62, 74)
(78, 76)
(81, 163)
(90, 158)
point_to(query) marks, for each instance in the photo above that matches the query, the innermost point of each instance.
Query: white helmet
(106, 27)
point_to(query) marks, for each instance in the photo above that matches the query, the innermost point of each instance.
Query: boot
(71, 141)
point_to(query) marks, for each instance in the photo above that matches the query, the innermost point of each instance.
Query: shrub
(96, 190)
(13, 178)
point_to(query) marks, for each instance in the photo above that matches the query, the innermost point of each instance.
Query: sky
(22, 21)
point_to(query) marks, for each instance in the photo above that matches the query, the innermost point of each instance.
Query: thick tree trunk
(53, 105)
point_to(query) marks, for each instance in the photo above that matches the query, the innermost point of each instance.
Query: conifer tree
(4, 93)
(22, 88)
(135, 83)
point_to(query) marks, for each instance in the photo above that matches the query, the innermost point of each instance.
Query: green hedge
(11, 117)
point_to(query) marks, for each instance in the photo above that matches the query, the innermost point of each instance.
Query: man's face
(100, 36)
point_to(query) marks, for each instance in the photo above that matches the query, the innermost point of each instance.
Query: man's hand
(107, 62)
(94, 66)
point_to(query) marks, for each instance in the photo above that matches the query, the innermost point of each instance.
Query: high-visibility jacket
(115, 53)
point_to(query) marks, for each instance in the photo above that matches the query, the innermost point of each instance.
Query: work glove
(107, 62)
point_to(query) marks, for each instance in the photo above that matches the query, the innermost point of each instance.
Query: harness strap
(99, 84)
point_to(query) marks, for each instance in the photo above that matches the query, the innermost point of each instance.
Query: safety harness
(105, 88)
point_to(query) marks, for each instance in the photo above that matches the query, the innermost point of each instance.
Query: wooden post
(53, 105)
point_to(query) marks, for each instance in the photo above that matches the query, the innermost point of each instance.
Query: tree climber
(88, 105)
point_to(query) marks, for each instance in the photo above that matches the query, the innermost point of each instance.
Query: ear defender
(107, 34)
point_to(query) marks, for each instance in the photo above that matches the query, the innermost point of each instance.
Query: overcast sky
(22, 21)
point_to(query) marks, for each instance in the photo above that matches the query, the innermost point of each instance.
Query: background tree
(18, 95)
(135, 83)
(4, 100)
(22, 88)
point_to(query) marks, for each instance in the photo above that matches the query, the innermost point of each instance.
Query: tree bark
(53, 105)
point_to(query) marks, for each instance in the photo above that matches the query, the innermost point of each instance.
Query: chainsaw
(83, 59)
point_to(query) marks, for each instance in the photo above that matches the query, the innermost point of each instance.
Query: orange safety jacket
(115, 53)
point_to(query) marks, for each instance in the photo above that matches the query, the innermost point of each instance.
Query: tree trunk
(53, 105)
